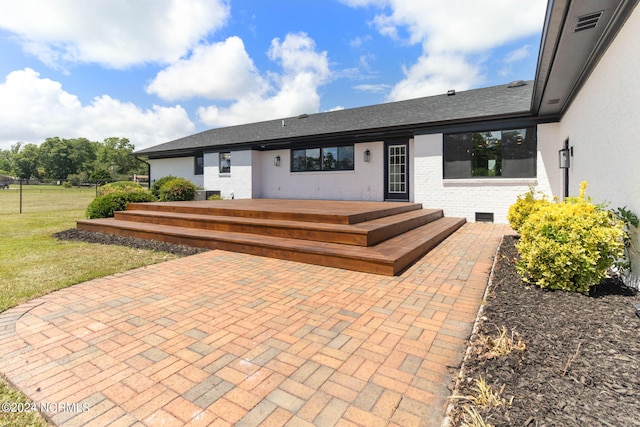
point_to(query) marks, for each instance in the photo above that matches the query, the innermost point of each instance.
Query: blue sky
(153, 71)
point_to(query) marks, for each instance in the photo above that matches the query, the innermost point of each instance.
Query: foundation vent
(586, 22)
(484, 216)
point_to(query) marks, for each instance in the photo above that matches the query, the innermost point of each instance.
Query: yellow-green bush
(120, 187)
(525, 205)
(569, 245)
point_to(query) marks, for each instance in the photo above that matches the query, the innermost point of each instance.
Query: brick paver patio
(225, 339)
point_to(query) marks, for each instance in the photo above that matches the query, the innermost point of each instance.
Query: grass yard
(33, 263)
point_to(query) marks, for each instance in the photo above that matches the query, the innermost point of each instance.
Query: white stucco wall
(603, 125)
(178, 166)
(465, 197)
(365, 182)
(239, 183)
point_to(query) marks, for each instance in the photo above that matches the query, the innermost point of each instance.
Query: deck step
(366, 233)
(325, 211)
(389, 257)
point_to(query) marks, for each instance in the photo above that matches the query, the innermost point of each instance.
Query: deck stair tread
(329, 211)
(374, 237)
(366, 233)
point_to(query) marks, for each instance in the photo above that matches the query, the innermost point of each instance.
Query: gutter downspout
(148, 170)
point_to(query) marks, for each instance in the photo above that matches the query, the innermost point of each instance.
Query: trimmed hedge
(105, 206)
(155, 187)
(177, 189)
(569, 245)
(119, 187)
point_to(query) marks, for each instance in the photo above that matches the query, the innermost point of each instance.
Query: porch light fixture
(564, 158)
(367, 155)
(276, 161)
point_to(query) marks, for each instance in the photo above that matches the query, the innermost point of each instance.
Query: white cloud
(454, 30)
(518, 54)
(293, 91)
(221, 70)
(115, 33)
(373, 88)
(34, 108)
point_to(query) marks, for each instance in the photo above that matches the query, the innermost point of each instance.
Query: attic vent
(553, 101)
(451, 92)
(587, 22)
(517, 83)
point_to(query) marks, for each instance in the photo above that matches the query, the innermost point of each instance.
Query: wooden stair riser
(324, 259)
(328, 218)
(289, 229)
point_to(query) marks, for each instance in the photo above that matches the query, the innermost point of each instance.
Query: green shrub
(120, 187)
(569, 245)
(215, 197)
(67, 184)
(177, 189)
(525, 205)
(105, 206)
(155, 187)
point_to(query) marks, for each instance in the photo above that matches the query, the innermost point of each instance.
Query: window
(322, 159)
(505, 153)
(225, 163)
(198, 164)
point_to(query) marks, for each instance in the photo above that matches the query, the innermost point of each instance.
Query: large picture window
(322, 159)
(503, 153)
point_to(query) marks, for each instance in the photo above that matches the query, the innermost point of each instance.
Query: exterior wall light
(276, 161)
(367, 155)
(564, 159)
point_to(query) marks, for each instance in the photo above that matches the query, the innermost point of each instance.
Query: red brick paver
(224, 338)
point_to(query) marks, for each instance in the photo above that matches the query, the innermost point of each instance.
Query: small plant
(486, 396)
(569, 245)
(629, 219)
(177, 189)
(215, 197)
(105, 206)
(155, 188)
(503, 344)
(472, 418)
(119, 187)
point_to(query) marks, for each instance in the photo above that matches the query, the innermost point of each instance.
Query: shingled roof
(404, 116)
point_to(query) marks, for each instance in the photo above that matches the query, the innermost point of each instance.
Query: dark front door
(396, 170)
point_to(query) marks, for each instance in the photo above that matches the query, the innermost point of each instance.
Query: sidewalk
(226, 339)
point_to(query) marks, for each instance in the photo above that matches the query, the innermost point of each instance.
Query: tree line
(78, 160)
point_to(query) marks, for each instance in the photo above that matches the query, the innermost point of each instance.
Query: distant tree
(63, 157)
(27, 161)
(113, 157)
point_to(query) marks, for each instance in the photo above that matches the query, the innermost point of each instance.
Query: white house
(470, 153)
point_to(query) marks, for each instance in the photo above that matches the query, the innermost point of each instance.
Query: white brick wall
(177, 166)
(465, 197)
(237, 184)
(365, 182)
(602, 125)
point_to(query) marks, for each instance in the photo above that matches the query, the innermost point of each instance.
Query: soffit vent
(586, 22)
(553, 101)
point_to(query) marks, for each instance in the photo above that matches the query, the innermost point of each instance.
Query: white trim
(490, 182)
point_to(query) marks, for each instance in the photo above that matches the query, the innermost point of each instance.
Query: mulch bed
(132, 242)
(581, 365)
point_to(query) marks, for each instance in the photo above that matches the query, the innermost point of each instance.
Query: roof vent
(586, 22)
(303, 116)
(517, 83)
(451, 92)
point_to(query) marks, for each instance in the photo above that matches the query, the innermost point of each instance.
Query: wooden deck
(375, 237)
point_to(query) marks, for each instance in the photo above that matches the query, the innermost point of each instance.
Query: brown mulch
(581, 364)
(132, 242)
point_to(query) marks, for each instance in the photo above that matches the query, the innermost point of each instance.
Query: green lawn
(33, 263)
